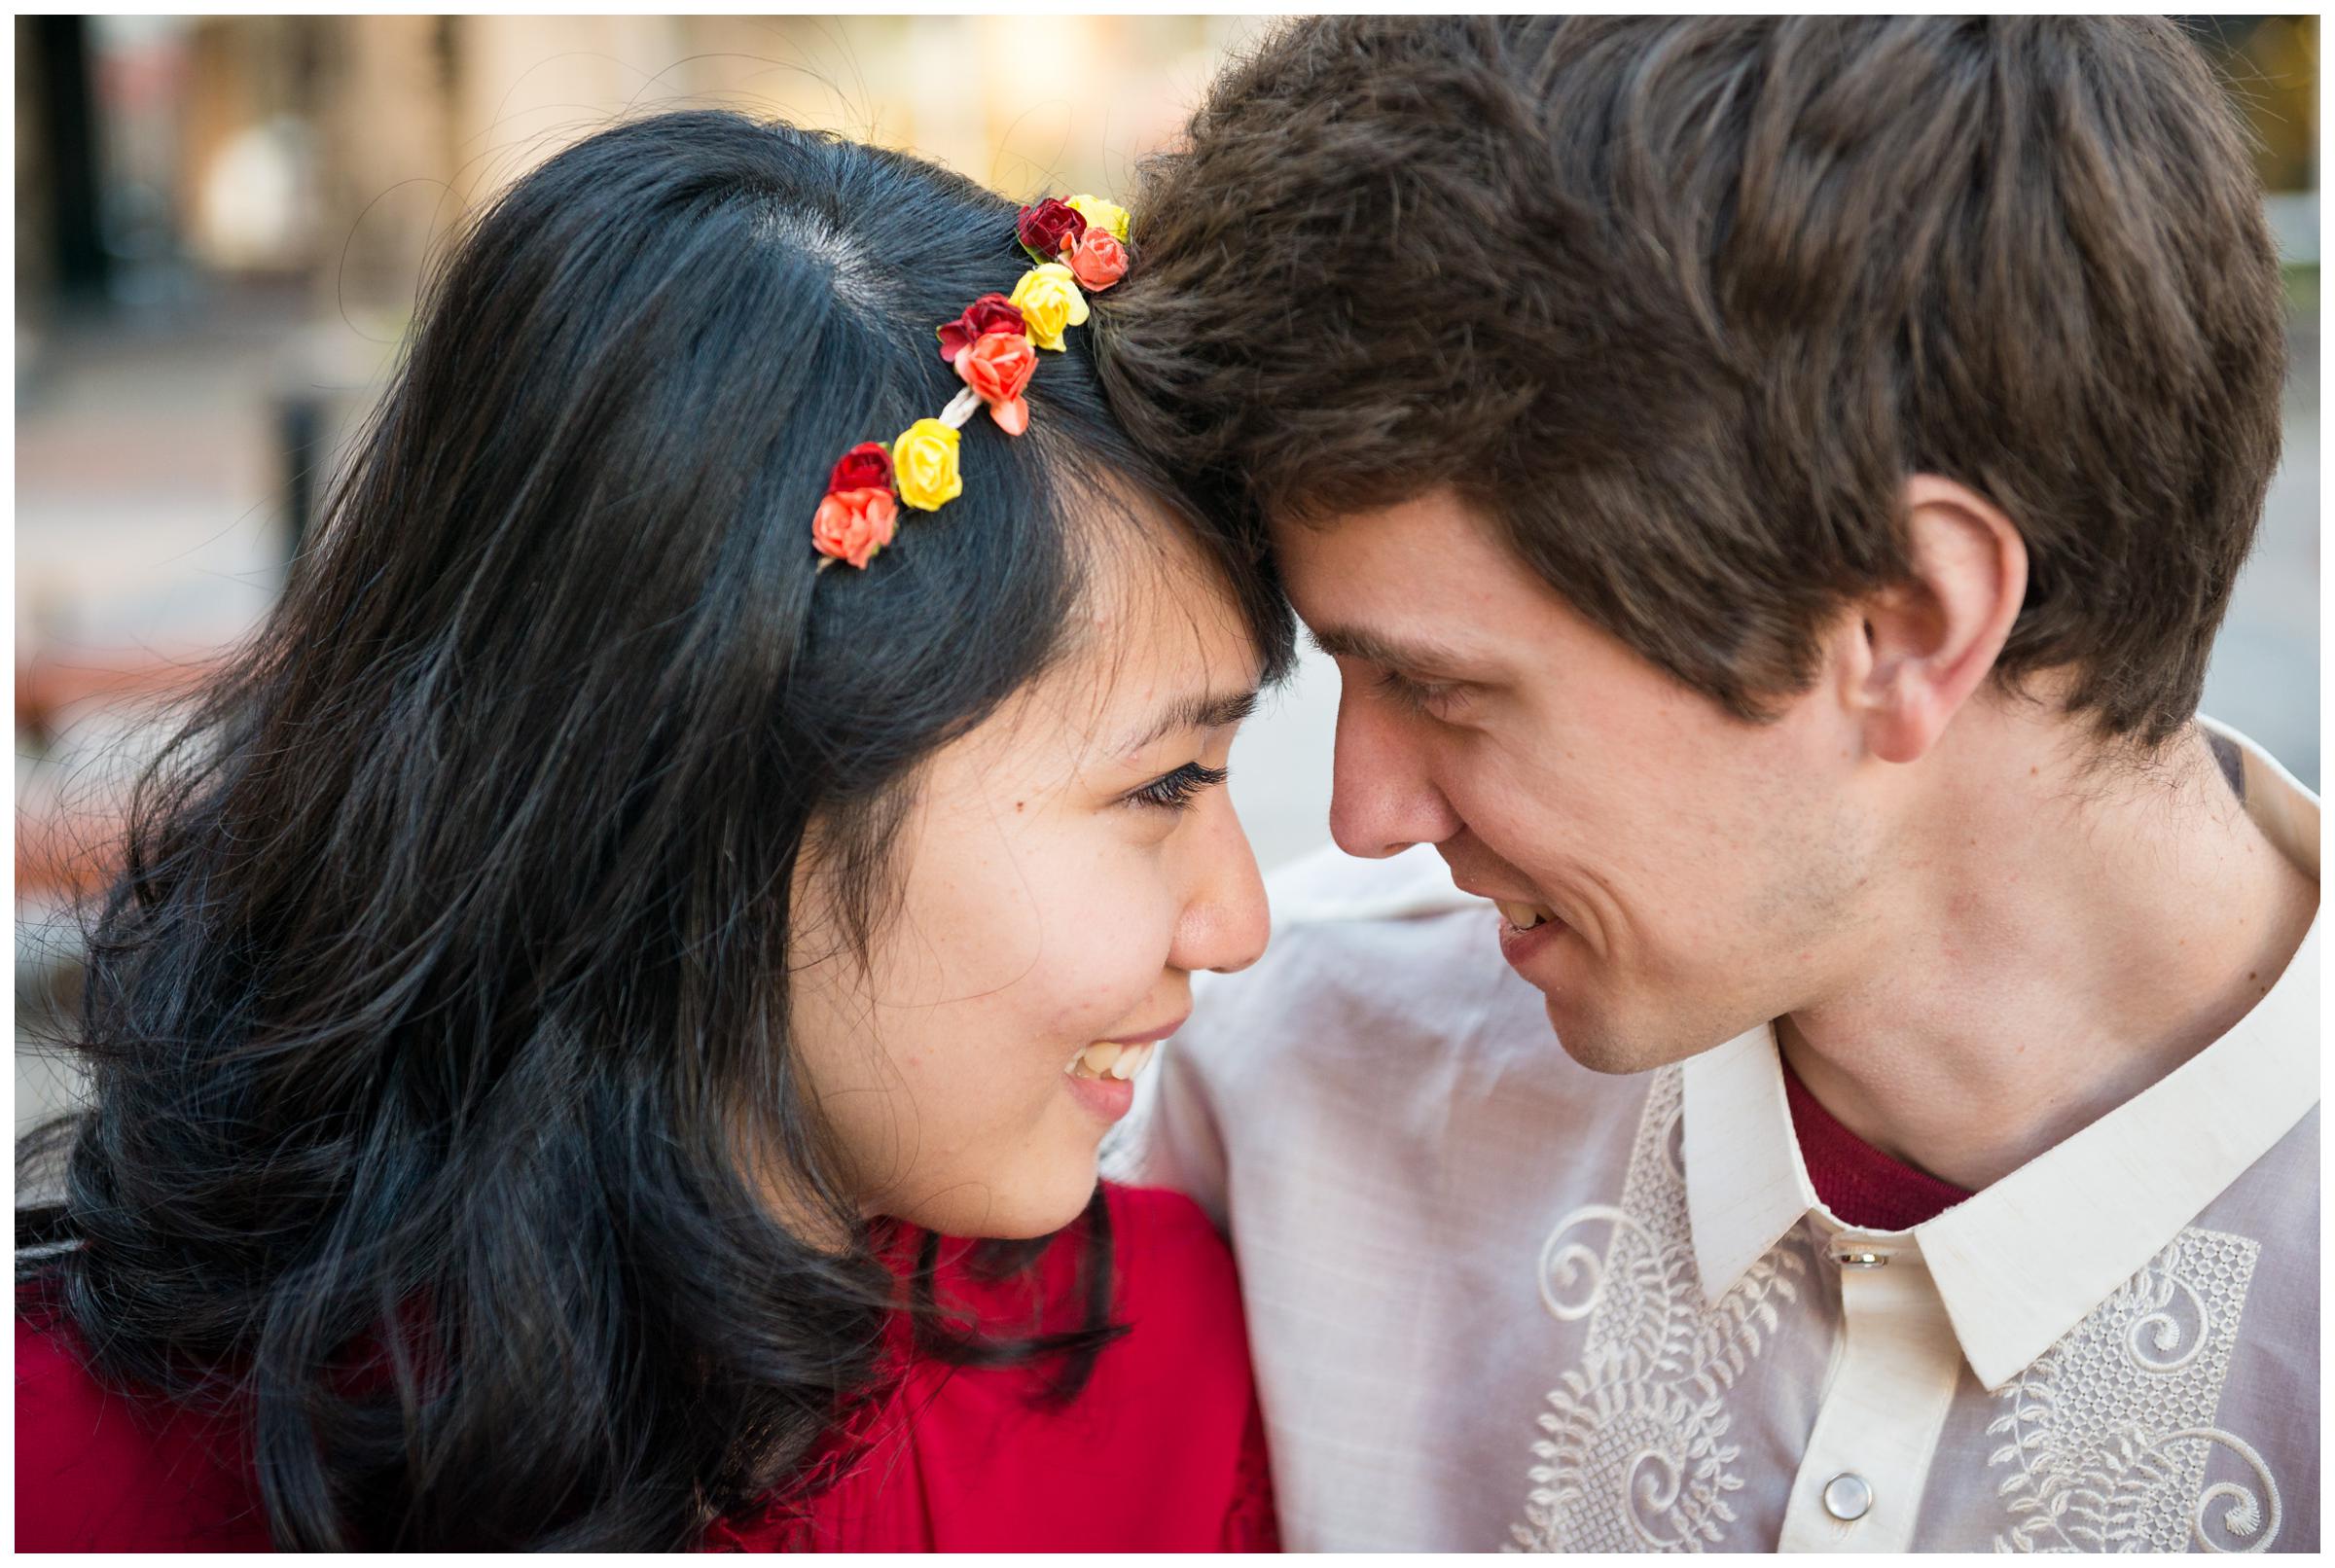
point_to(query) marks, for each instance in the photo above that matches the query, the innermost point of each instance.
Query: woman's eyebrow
(1198, 710)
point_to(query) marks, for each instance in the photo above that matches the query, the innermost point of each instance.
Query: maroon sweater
(1856, 1181)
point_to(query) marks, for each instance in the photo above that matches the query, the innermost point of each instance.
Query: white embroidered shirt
(1498, 1300)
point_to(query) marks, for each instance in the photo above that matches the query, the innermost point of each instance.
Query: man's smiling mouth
(1522, 916)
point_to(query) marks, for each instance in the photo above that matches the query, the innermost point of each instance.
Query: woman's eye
(1177, 790)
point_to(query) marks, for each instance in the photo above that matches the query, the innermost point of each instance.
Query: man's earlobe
(1931, 640)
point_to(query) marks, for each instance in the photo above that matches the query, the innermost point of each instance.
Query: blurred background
(222, 224)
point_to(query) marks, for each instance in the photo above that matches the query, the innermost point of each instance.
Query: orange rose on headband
(1098, 260)
(853, 525)
(997, 365)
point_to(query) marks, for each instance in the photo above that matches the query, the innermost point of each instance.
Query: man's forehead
(1430, 539)
(1438, 509)
(1422, 584)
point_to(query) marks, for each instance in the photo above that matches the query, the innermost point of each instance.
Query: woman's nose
(1225, 922)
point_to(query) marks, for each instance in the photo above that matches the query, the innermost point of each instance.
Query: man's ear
(1929, 642)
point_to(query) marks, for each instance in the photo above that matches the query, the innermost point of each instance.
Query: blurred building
(337, 149)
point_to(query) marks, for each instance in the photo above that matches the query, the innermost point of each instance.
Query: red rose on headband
(865, 467)
(992, 312)
(1048, 227)
(998, 366)
(1099, 260)
(853, 525)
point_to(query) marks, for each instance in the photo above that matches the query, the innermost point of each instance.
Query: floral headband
(1078, 244)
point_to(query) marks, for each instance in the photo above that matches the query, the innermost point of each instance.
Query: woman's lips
(1102, 1075)
(1109, 1098)
(1148, 1035)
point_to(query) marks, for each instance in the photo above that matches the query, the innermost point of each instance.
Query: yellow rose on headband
(924, 466)
(1049, 300)
(1095, 209)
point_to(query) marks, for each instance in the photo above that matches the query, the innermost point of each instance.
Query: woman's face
(1066, 868)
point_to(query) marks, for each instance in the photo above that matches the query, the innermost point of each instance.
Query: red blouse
(1162, 1450)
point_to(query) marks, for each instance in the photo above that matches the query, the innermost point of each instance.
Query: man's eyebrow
(1391, 653)
(1199, 710)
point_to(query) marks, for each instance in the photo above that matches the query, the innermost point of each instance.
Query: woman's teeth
(1522, 916)
(1107, 1058)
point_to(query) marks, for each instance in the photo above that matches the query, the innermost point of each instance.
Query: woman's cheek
(1111, 955)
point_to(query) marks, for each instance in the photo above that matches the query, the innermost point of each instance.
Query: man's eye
(1178, 790)
(1419, 697)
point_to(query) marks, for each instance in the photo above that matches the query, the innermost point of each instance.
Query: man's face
(1698, 874)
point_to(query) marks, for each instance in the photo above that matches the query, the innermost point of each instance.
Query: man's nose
(1383, 796)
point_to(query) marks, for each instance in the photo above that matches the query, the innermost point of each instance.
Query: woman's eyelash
(1177, 790)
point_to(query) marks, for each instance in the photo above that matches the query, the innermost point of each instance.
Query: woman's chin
(1037, 1205)
(1062, 1202)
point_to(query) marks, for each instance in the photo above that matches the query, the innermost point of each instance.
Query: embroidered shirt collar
(2022, 1262)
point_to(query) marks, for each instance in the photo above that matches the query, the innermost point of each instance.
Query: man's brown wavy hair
(1681, 303)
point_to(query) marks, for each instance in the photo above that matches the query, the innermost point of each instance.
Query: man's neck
(2054, 947)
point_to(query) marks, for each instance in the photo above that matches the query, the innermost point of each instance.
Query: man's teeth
(1107, 1058)
(1522, 916)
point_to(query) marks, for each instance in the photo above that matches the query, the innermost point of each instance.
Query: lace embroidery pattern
(2109, 1435)
(1632, 1453)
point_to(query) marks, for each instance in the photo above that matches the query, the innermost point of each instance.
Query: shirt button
(1847, 1497)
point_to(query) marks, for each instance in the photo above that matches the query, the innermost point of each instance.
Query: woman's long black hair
(437, 1025)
